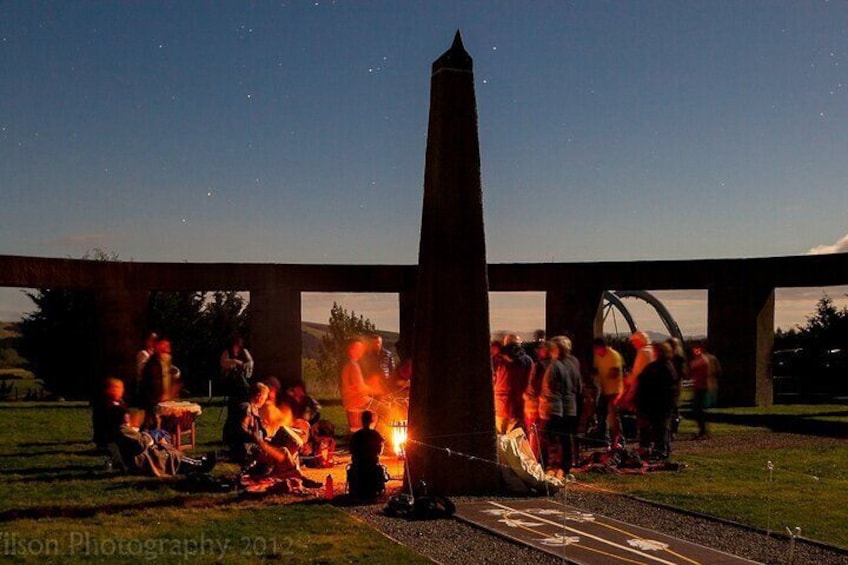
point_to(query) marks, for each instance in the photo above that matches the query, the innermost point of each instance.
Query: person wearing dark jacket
(572, 394)
(655, 402)
(366, 476)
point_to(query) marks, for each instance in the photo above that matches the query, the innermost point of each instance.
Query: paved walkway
(584, 538)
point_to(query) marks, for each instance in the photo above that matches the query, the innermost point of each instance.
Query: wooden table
(177, 418)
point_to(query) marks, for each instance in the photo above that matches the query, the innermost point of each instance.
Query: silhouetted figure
(655, 403)
(366, 477)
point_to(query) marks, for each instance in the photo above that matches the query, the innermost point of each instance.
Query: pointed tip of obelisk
(454, 58)
(457, 42)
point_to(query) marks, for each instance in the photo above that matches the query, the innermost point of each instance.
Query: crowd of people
(271, 429)
(268, 428)
(540, 387)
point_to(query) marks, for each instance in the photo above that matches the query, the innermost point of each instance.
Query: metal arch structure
(613, 300)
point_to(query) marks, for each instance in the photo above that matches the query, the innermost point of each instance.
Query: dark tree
(59, 341)
(199, 329)
(342, 327)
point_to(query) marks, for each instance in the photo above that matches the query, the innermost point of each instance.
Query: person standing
(236, 368)
(511, 373)
(550, 411)
(655, 403)
(572, 394)
(236, 365)
(160, 381)
(357, 396)
(608, 365)
(532, 423)
(681, 368)
(378, 367)
(627, 405)
(704, 371)
(141, 359)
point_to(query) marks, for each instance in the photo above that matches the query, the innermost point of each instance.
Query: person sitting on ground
(107, 412)
(301, 405)
(321, 448)
(270, 414)
(243, 430)
(146, 453)
(262, 455)
(366, 476)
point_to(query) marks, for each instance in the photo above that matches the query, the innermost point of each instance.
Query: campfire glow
(399, 431)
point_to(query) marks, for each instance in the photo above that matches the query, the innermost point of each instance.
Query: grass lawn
(728, 476)
(56, 496)
(58, 501)
(20, 383)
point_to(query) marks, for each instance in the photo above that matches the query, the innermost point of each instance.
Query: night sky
(295, 131)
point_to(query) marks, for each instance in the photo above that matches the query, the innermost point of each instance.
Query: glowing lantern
(399, 430)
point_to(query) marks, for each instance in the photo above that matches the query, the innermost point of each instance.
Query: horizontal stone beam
(773, 272)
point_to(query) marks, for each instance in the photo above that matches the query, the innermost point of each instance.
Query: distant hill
(312, 332)
(9, 330)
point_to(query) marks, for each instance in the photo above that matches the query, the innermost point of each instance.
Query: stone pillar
(122, 321)
(451, 415)
(406, 306)
(740, 328)
(276, 342)
(577, 313)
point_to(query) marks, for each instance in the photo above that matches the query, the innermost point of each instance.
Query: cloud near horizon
(840, 246)
(79, 239)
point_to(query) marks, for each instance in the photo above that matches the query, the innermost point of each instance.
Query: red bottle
(328, 488)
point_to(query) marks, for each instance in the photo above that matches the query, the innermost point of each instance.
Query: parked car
(806, 371)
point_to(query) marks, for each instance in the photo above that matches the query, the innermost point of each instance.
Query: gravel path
(451, 541)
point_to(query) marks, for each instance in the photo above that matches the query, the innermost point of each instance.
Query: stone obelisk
(451, 416)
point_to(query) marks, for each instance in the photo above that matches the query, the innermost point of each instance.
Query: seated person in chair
(142, 453)
(366, 477)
